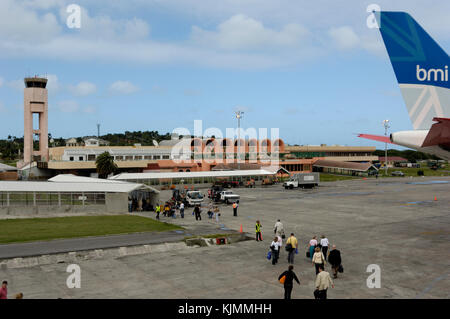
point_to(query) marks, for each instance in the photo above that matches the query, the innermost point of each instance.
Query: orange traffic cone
(240, 229)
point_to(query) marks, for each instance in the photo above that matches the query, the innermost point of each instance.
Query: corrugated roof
(393, 159)
(362, 167)
(169, 175)
(70, 178)
(4, 168)
(55, 187)
(235, 166)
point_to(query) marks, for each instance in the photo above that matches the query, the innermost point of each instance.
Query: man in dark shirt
(289, 281)
(334, 258)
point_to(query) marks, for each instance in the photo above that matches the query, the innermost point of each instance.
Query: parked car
(398, 173)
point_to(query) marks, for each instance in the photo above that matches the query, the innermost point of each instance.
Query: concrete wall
(32, 211)
(116, 202)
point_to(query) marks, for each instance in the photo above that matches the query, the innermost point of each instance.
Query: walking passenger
(258, 231)
(197, 212)
(311, 246)
(290, 276)
(275, 248)
(291, 247)
(323, 282)
(182, 210)
(279, 229)
(335, 260)
(318, 260)
(324, 243)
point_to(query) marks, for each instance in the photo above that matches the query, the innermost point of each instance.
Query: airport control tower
(35, 101)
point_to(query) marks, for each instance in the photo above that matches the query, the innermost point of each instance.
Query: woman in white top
(324, 243)
(311, 246)
(318, 259)
(280, 242)
(275, 248)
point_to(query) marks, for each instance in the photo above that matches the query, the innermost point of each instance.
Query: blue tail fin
(420, 65)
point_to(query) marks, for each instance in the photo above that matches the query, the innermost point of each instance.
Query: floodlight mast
(386, 127)
(238, 116)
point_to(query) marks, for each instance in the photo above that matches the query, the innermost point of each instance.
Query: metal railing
(8, 199)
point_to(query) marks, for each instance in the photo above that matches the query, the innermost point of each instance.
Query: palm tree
(105, 165)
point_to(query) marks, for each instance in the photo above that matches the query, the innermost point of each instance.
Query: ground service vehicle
(227, 196)
(302, 180)
(194, 198)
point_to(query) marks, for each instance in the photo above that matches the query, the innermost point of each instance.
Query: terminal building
(197, 154)
(80, 160)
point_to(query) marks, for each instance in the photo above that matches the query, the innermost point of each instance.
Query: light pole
(386, 126)
(238, 116)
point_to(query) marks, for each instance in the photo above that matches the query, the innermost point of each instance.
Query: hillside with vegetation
(12, 147)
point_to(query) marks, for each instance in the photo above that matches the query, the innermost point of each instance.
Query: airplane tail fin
(420, 65)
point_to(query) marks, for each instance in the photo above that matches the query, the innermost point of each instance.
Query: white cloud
(123, 87)
(244, 33)
(43, 4)
(344, 37)
(68, 106)
(53, 85)
(83, 89)
(1, 81)
(106, 28)
(19, 23)
(248, 34)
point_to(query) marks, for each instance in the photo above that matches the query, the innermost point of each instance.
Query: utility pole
(98, 130)
(238, 116)
(386, 126)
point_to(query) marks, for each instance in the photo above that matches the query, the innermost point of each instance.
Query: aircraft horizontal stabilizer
(379, 138)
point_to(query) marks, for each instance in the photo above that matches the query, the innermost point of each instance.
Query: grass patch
(331, 177)
(409, 171)
(34, 229)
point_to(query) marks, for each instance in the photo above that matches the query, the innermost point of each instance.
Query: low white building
(71, 194)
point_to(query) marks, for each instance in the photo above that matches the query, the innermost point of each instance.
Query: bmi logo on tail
(426, 75)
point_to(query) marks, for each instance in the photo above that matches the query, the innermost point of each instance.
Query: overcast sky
(313, 69)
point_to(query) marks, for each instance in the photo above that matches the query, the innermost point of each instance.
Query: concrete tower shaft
(35, 99)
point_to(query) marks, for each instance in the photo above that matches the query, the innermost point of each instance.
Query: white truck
(194, 198)
(227, 196)
(302, 180)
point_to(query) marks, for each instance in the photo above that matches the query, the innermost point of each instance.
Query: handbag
(308, 254)
(269, 255)
(341, 269)
(288, 247)
(283, 279)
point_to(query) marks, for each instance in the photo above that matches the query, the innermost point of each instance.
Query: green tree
(105, 165)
